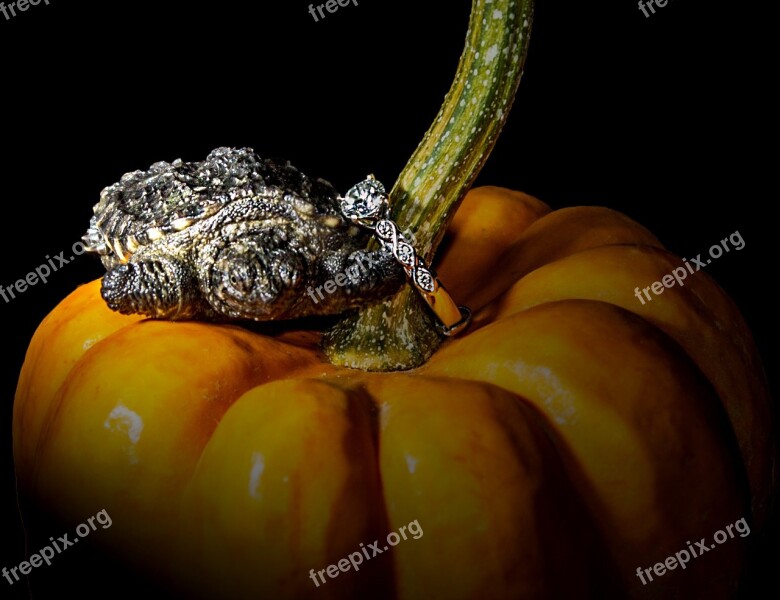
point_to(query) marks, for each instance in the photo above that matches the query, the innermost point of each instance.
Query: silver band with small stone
(368, 205)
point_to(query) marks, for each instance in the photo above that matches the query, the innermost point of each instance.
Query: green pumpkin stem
(399, 333)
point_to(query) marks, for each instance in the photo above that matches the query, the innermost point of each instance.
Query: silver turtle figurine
(233, 237)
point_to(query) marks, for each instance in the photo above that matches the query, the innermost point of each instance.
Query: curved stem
(398, 333)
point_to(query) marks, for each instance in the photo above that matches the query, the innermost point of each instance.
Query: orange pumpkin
(570, 436)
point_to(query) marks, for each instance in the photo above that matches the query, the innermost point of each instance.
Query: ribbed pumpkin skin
(569, 437)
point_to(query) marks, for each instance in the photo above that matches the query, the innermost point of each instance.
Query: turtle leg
(362, 277)
(161, 288)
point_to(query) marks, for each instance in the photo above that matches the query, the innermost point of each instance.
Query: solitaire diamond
(365, 200)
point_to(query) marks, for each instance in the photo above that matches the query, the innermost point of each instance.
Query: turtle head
(250, 279)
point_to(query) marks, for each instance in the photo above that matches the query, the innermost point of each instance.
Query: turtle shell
(145, 206)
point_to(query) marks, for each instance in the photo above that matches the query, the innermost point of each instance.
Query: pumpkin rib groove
(495, 443)
(689, 315)
(550, 238)
(539, 338)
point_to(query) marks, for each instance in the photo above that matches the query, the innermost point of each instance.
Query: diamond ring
(368, 205)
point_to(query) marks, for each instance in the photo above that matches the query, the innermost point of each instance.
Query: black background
(662, 118)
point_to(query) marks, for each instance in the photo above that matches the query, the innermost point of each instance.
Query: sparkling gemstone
(424, 279)
(366, 199)
(406, 254)
(385, 229)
